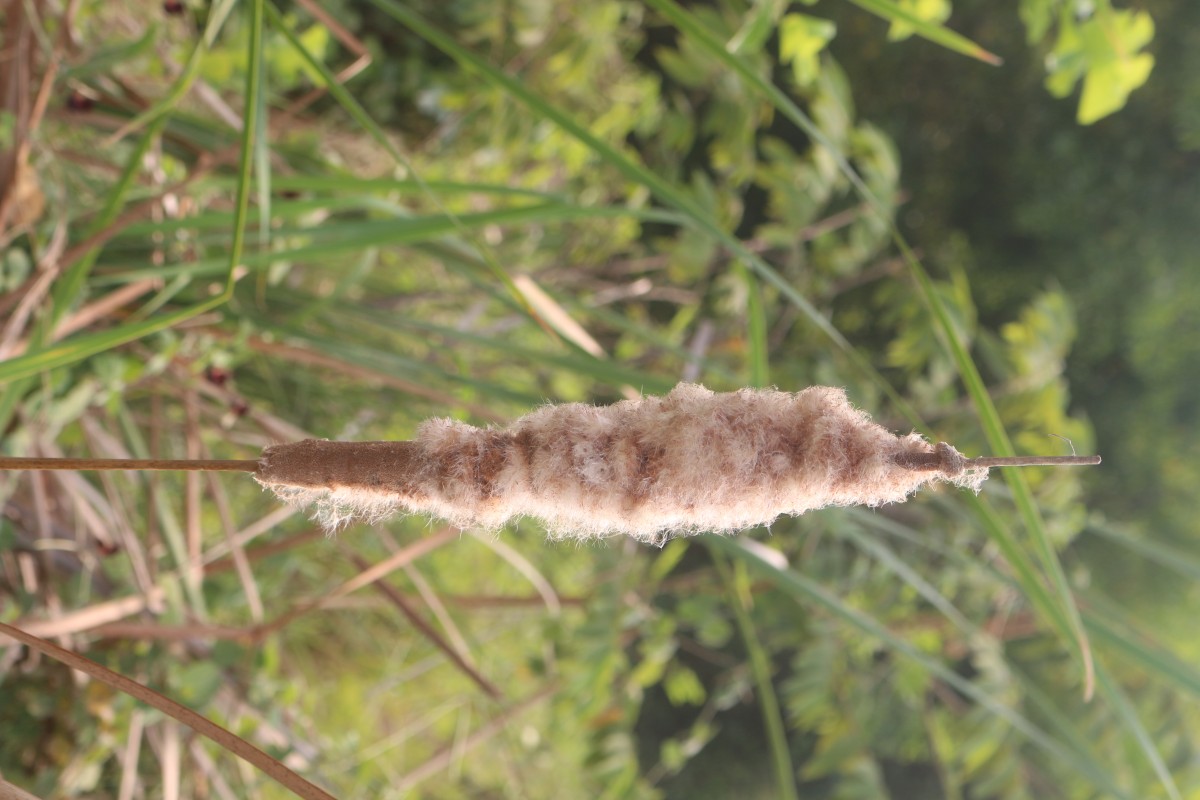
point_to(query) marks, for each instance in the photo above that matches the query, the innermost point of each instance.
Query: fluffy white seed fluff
(689, 462)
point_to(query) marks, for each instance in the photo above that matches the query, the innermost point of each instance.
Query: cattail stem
(935, 462)
(1033, 461)
(917, 461)
(192, 465)
(653, 467)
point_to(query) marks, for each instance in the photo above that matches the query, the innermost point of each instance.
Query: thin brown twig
(365, 578)
(429, 632)
(935, 461)
(10, 791)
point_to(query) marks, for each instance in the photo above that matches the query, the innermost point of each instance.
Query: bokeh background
(225, 225)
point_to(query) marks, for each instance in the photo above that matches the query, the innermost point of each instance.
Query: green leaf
(932, 11)
(1103, 51)
(801, 40)
(683, 687)
(1038, 16)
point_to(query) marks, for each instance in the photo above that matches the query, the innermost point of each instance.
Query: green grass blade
(997, 437)
(77, 348)
(884, 555)
(217, 15)
(172, 530)
(1119, 701)
(756, 324)
(1172, 558)
(805, 590)
(352, 107)
(1127, 637)
(737, 589)
(1125, 710)
(350, 237)
(68, 287)
(654, 338)
(106, 59)
(938, 34)
(359, 185)
(250, 136)
(611, 373)
(662, 189)
(262, 147)
(1060, 607)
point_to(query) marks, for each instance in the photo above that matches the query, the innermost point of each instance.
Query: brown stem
(1034, 461)
(921, 461)
(194, 465)
(937, 461)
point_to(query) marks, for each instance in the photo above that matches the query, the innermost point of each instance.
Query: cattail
(652, 468)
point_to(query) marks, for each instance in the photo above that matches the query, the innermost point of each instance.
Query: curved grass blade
(737, 587)
(756, 324)
(78, 348)
(1123, 635)
(353, 183)
(662, 189)
(650, 336)
(71, 284)
(250, 137)
(1063, 613)
(575, 360)
(803, 589)
(1104, 620)
(1128, 715)
(217, 15)
(1172, 558)
(884, 555)
(359, 114)
(333, 238)
(200, 724)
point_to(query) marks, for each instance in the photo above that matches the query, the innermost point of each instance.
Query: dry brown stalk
(202, 725)
(652, 467)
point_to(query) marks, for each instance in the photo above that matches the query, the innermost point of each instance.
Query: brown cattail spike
(653, 467)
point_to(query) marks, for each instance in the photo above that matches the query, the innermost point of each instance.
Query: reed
(652, 468)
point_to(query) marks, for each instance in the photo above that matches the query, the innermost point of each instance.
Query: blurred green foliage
(907, 657)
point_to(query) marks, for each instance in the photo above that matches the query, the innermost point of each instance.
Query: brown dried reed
(653, 467)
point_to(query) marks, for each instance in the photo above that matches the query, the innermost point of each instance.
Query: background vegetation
(234, 224)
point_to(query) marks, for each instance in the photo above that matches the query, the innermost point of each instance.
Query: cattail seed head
(654, 467)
